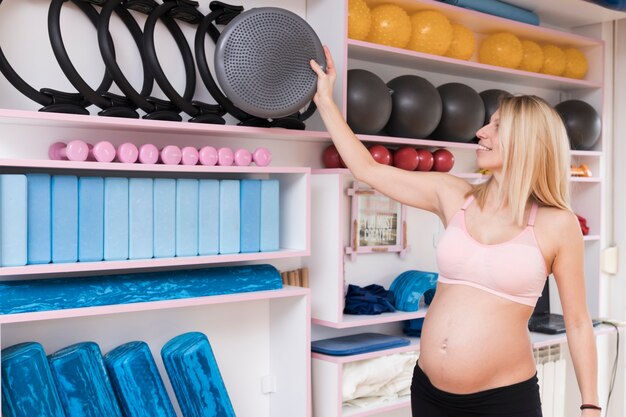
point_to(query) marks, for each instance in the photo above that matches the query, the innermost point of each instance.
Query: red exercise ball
(406, 158)
(331, 158)
(444, 160)
(381, 154)
(426, 160)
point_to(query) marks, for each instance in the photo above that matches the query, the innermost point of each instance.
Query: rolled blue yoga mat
(497, 8)
(195, 377)
(28, 388)
(61, 293)
(136, 381)
(82, 381)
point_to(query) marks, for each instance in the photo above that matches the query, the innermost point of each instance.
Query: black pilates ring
(154, 108)
(181, 10)
(111, 104)
(52, 100)
(221, 14)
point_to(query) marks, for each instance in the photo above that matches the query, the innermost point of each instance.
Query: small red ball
(381, 154)
(331, 158)
(426, 160)
(444, 160)
(406, 158)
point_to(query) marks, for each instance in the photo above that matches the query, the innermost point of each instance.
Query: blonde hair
(535, 154)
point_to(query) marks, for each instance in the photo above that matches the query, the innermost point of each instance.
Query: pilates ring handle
(112, 104)
(186, 11)
(221, 14)
(155, 109)
(52, 100)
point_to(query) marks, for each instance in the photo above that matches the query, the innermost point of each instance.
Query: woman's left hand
(325, 80)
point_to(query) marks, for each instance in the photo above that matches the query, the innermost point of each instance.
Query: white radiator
(551, 375)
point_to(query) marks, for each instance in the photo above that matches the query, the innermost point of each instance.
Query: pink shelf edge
(59, 268)
(368, 320)
(286, 291)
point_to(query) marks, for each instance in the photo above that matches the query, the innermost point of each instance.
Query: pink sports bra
(514, 269)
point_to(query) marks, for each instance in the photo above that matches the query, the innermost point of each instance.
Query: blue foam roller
(23, 296)
(230, 212)
(82, 382)
(164, 218)
(250, 216)
(27, 385)
(140, 218)
(90, 219)
(64, 197)
(39, 220)
(498, 8)
(136, 381)
(13, 220)
(115, 219)
(270, 215)
(195, 377)
(186, 217)
(209, 217)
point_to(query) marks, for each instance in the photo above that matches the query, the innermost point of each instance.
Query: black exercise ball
(463, 113)
(369, 102)
(582, 123)
(491, 100)
(416, 108)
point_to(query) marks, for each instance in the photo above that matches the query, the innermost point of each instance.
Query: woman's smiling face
(488, 154)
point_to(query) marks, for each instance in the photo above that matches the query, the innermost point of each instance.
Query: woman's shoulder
(558, 223)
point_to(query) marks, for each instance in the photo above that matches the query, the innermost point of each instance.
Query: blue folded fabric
(60, 293)
(370, 300)
(497, 8)
(82, 381)
(27, 385)
(137, 382)
(195, 377)
(611, 4)
(357, 343)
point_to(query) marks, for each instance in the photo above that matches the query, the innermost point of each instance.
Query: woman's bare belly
(473, 340)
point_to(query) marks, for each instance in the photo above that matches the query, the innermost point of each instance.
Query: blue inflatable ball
(416, 108)
(582, 122)
(463, 113)
(369, 102)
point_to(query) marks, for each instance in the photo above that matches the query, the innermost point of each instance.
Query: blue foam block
(115, 219)
(13, 220)
(209, 217)
(27, 385)
(186, 217)
(357, 343)
(164, 218)
(64, 218)
(136, 381)
(230, 221)
(250, 216)
(39, 220)
(195, 377)
(141, 218)
(82, 381)
(270, 215)
(24, 296)
(90, 219)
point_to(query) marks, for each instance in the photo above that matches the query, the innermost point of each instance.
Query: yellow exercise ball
(432, 32)
(391, 26)
(575, 64)
(533, 56)
(502, 49)
(463, 43)
(553, 60)
(359, 19)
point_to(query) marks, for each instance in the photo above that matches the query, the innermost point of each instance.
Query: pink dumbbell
(102, 151)
(148, 154)
(171, 155)
(127, 153)
(75, 150)
(189, 155)
(208, 156)
(225, 157)
(262, 157)
(243, 157)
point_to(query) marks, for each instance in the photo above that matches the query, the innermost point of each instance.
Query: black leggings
(517, 400)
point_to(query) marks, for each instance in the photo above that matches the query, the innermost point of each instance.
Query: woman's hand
(325, 80)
